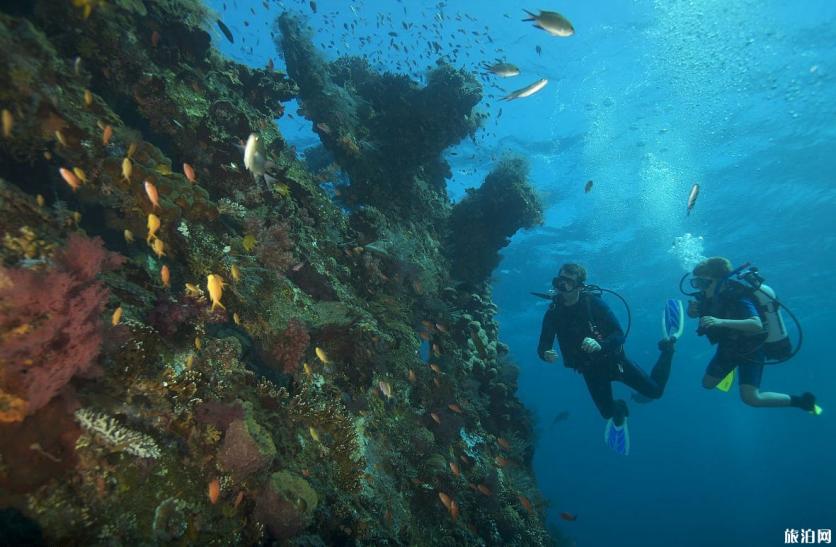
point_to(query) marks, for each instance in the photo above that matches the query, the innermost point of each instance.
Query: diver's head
(569, 281)
(709, 273)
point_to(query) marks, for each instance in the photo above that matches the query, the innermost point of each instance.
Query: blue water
(646, 99)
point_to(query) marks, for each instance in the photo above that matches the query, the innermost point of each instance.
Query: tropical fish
(692, 197)
(314, 433)
(155, 39)
(435, 417)
(88, 98)
(8, 123)
(454, 510)
(226, 31)
(435, 368)
(70, 178)
(411, 376)
(77, 66)
(153, 195)
(307, 368)
(588, 187)
(561, 416)
(76, 217)
(525, 503)
(159, 247)
(193, 290)
(552, 22)
(254, 158)
(60, 138)
(445, 500)
(484, 489)
(313, 6)
(131, 150)
(163, 168)
(129, 236)
(321, 355)
(569, 516)
(165, 275)
(215, 286)
(235, 272)
(500, 461)
(386, 389)
(127, 169)
(107, 133)
(454, 467)
(504, 70)
(503, 442)
(455, 408)
(248, 242)
(117, 315)
(237, 320)
(214, 491)
(527, 91)
(39, 199)
(188, 170)
(153, 226)
(441, 328)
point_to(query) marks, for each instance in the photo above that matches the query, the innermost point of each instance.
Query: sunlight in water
(688, 249)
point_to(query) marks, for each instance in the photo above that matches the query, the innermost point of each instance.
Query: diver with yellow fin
(591, 341)
(741, 316)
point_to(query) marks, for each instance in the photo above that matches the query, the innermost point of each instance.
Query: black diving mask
(701, 283)
(565, 284)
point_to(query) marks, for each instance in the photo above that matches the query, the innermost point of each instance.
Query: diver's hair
(575, 269)
(716, 267)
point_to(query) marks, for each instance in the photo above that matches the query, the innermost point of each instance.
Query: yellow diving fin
(726, 383)
(817, 410)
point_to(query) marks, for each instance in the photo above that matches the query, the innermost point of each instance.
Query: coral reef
(268, 364)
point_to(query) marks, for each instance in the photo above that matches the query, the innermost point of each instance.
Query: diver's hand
(708, 322)
(590, 345)
(693, 309)
(550, 356)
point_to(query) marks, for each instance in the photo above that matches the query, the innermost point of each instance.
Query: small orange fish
(117, 315)
(569, 516)
(411, 376)
(79, 172)
(484, 489)
(159, 248)
(8, 123)
(238, 499)
(320, 353)
(427, 324)
(435, 368)
(454, 467)
(215, 286)
(132, 150)
(39, 199)
(155, 39)
(435, 417)
(127, 169)
(464, 459)
(60, 137)
(153, 195)
(500, 461)
(107, 133)
(188, 170)
(237, 320)
(588, 187)
(70, 178)
(153, 226)
(454, 510)
(88, 98)
(198, 343)
(306, 473)
(129, 236)
(165, 275)
(214, 491)
(424, 335)
(445, 500)
(455, 408)
(525, 503)
(503, 442)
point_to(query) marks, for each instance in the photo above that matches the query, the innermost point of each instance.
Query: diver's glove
(550, 356)
(590, 345)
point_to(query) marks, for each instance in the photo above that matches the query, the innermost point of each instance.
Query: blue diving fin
(617, 437)
(673, 319)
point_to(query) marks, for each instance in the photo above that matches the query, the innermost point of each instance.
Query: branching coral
(116, 435)
(50, 320)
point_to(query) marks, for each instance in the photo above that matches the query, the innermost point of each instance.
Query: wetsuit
(591, 317)
(735, 349)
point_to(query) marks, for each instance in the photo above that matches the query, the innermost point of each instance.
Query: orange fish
(153, 195)
(107, 133)
(435, 417)
(435, 368)
(424, 335)
(117, 315)
(445, 499)
(70, 178)
(569, 516)
(411, 376)
(165, 275)
(484, 489)
(214, 491)
(159, 247)
(525, 503)
(153, 226)
(454, 467)
(500, 461)
(455, 408)
(238, 499)
(501, 441)
(306, 473)
(427, 325)
(188, 170)
(454, 510)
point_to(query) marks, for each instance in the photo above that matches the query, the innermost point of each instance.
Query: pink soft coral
(50, 321)
(291, 346)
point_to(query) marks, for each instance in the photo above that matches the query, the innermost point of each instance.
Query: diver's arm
(547, 334)
(753, 325)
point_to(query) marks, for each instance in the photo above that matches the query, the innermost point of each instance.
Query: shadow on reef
(195, 353)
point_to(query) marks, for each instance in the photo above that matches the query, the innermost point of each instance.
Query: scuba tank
(777, 344)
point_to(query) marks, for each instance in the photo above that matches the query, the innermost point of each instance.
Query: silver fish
(505, 70)
(254, 159)
(526, 91)
(692, 197)
(552, 22)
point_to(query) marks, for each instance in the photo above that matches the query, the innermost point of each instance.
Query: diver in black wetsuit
(591, 341)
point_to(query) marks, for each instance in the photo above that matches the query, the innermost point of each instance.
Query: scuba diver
(591, 342)
(740, 320)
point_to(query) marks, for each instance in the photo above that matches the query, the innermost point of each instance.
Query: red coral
(240, 454)
(291, 346)
(50, 321)
(275, 248)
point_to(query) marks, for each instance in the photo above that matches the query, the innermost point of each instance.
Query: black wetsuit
(591, 317)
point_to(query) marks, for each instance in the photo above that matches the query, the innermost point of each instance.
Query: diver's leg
(717, 369)
(652, 386)
(751, 374)
(600, 389)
